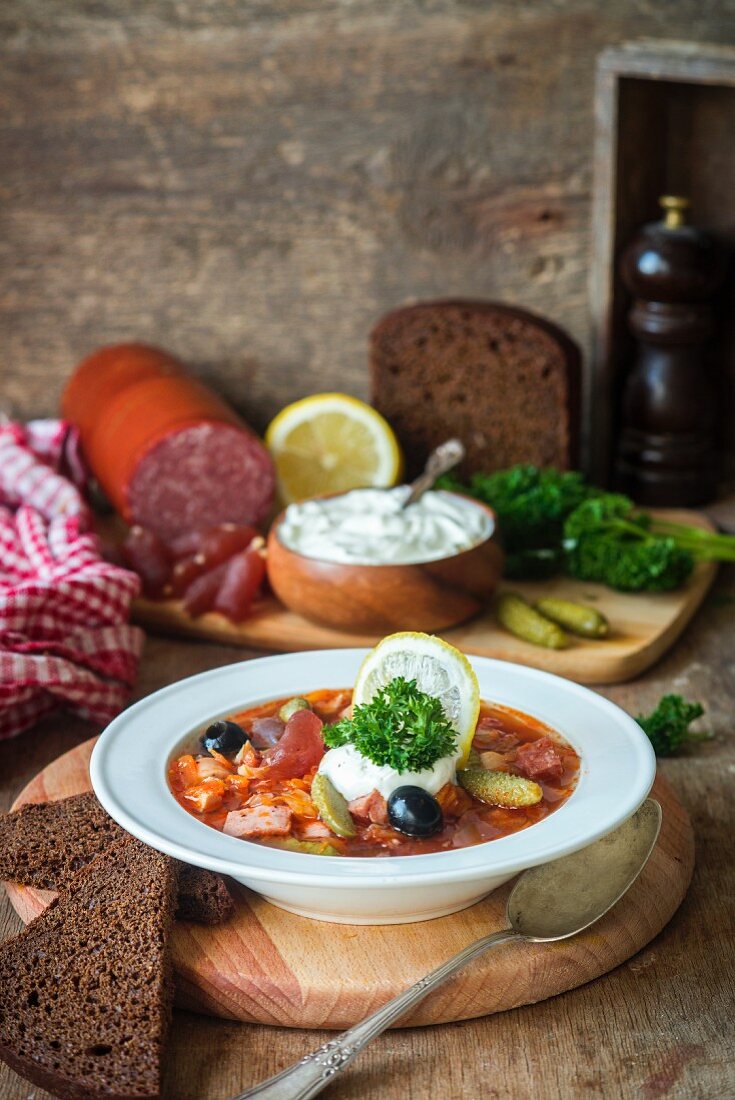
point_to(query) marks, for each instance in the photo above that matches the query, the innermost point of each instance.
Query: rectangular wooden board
(643, 625)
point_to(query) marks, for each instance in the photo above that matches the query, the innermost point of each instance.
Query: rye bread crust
(49, 1082)
(86, 989)
(503, 380)
(44, 844)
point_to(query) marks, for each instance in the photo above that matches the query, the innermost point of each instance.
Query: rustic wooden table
(659, 1026)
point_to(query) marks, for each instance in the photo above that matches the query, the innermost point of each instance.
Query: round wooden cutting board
(269, 966)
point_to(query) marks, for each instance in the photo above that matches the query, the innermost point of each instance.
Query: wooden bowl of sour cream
(358, 563)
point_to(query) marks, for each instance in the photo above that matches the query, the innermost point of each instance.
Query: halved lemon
(331, 443)
(438, 669)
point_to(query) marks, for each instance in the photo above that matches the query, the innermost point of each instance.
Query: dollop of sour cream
(354, 775)
(371, 527)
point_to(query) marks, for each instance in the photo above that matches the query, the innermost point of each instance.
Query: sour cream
(354, 775)
(370, 527)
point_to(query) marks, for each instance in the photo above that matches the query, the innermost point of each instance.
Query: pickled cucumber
(577, 617)
(499, 788)
(292, 706)
(310, 847)
(517, 616)
(332, 806)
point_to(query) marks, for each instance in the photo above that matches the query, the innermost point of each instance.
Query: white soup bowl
(130, 761)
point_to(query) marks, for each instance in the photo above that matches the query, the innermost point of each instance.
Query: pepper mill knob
(674, 207)
(667, 453)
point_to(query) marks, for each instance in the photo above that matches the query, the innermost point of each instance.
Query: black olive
(224, 737)
(414, 811)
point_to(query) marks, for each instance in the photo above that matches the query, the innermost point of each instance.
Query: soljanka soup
(385, 778)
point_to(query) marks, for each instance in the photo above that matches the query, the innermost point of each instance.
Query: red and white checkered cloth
(64, 635)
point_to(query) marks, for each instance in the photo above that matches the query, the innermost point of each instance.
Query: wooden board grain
(644, 625)
(270, 966)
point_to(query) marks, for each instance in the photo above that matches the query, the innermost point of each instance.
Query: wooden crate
(665, 122)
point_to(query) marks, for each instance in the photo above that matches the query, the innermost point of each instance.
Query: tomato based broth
(210, 786)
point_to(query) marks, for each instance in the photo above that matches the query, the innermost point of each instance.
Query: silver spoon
(439, 462)
(548, 903)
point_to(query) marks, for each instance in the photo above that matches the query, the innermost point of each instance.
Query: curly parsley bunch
(401, 727)
(552, 520)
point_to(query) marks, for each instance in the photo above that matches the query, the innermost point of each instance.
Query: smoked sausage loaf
(168, 452)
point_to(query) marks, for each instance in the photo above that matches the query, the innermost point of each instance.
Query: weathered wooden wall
(251, 183)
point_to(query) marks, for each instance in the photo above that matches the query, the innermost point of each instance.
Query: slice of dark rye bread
(44, 844)
(203, 896)
(502, 380)
(86, 988)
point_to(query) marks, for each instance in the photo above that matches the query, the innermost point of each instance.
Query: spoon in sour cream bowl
(548, 903)
(441, 460)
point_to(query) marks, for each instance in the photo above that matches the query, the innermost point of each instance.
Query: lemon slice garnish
(438, 669)
(331, 443)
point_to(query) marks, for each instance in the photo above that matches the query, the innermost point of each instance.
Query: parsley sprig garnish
(401, 726)
(667, 726)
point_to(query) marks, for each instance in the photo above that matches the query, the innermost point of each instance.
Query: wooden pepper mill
(667, 452)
